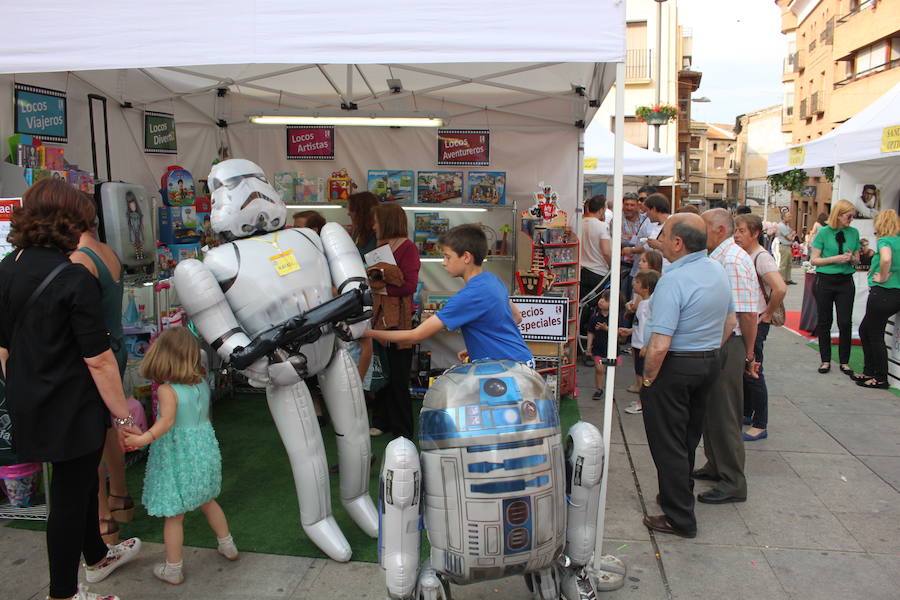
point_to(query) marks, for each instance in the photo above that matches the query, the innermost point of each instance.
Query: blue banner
(41, 112)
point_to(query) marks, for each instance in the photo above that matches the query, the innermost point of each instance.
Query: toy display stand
(37, 512)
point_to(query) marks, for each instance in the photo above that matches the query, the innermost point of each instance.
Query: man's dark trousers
(723, 439)
(673, 417)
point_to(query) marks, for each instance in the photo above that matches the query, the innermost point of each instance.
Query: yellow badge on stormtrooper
(285, 263)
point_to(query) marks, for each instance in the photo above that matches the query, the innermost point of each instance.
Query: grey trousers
(786, 261)
(723, 438)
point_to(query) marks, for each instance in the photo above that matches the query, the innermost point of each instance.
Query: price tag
(285, 263)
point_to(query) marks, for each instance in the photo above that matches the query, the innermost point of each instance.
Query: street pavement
(821, 521)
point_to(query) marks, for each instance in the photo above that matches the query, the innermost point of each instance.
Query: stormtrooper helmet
(244, 203)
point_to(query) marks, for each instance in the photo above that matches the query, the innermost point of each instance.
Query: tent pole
(766, 203)
(615, 272)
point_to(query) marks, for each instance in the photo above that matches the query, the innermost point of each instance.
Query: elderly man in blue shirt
(691, 314)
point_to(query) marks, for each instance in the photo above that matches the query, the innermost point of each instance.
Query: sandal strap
(127, 502)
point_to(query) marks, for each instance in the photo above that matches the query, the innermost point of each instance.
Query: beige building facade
(841, 56)
(712, 164)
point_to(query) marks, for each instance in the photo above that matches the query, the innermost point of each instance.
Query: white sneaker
(634, 409)
(116, 556)
(169, 573)
(84, 594)
(228, 549)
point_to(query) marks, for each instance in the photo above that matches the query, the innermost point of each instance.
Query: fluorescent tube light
(432, 208)
(354, 118)
(313, 206)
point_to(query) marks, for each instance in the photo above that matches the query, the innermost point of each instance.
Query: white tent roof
(114, 34)
(858, 139)
(598, 156)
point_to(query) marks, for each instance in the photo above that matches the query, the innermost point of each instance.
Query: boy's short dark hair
(604, 295)
(648, 279)
(466, 238)
(657, 202)
(596, 203)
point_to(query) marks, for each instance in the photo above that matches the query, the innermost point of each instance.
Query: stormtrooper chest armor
(273, 277)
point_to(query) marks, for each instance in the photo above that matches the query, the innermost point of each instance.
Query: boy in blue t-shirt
(481, 310)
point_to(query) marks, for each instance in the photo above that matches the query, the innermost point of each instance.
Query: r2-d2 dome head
(244, 203)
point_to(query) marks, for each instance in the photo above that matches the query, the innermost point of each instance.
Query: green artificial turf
(258, 494)
(856, 360)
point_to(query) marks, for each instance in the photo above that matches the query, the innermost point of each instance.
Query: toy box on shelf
(295, 186)
(439, 187)
(177, 187)
(340, 186)
(429, 227)
(486, 187)
(391, 186)
(547, 264)
(40, 162)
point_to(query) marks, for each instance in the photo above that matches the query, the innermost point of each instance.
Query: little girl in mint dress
(184, 469)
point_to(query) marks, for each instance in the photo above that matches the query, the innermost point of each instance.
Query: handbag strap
(762, 285)
(35, 294)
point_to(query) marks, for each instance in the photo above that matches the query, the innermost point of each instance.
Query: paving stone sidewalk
(822, 519)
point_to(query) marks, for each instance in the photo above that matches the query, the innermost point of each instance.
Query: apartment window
(695, 187)
(637, 59)
(635, 131)
(870, 57)
(695, 141)
(715, 146)
(719, 162)
(695, 165)
(718, 188)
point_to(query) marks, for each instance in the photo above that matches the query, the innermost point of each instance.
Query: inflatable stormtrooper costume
(264, 302)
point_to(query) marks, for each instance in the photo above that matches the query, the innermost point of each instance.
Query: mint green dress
(184, 469)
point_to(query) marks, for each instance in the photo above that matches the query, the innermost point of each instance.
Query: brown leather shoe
(661, 524)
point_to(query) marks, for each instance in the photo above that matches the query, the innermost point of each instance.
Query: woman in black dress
(62, 380)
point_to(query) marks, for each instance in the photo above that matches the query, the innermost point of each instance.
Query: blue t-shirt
(481, 311)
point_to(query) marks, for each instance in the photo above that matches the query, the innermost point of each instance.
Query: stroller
(585, 305)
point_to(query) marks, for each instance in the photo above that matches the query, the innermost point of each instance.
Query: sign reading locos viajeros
(41, 113)
(159, 133)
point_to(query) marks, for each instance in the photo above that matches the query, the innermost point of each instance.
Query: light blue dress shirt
(691, 302)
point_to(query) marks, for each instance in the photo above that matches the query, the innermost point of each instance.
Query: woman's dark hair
(391, 221)
(53, 215)
(314, 219)
(361, 206)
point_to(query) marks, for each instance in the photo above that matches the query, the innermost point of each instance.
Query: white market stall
(528, 74)
(864, 150)
(599, 143)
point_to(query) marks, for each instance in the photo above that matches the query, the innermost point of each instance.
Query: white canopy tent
(599, 144)
(529, 74)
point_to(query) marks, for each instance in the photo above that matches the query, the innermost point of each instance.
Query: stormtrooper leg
(343, 394)
(295, 418)
(400, 507)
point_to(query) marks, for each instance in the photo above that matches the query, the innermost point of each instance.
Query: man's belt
(693, 353)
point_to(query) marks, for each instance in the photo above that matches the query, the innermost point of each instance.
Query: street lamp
(659, 4)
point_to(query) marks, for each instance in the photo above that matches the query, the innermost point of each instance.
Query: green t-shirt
(826, 242)
(893, 281)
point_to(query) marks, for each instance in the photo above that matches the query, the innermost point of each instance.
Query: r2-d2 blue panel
(493, 465)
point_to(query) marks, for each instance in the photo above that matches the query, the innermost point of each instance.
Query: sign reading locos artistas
(310, 142)
(41, 112)
(159, 133)
(544, 319)
(464, 147)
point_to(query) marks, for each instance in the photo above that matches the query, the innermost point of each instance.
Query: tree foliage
(793, 181)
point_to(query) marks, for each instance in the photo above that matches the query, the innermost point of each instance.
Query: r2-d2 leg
(400, 503)
(343, 395)
(294, 415)
(584, 468)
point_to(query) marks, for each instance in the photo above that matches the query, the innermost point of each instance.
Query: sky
(739, 48)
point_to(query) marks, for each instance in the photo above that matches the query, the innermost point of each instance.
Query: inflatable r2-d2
(499, 494)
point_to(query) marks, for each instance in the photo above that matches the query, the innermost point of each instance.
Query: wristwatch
(647, 382)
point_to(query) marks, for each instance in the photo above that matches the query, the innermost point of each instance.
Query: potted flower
(657, 115)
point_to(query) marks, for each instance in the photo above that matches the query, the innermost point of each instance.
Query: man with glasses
(868, 205)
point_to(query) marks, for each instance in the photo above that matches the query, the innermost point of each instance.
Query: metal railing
(791, 62)
(858, 8)
(876, 69)
(814, 107)
(638, 64)
(812, 46)
(803, 113)
(827, 35)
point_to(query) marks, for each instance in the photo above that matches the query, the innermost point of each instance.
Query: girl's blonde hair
(841, 208)
(174, 357)
(887, 224)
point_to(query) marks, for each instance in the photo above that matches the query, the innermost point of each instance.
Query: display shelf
(557, 244)
(562, 264)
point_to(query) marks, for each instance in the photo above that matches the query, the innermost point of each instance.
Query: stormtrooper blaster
(337, 315)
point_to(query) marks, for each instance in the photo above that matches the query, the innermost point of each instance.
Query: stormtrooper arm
(346, 266)
(205, 303)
